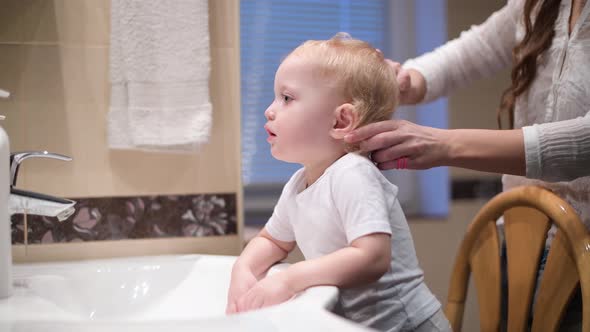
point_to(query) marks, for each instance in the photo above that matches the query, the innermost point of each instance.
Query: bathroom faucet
(17, 158)
(23, 201)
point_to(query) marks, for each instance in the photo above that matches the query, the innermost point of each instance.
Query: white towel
(159, 69)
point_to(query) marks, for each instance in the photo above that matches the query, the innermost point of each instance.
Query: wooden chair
(528, 213)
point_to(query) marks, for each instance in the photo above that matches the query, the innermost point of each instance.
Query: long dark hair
(537, 39)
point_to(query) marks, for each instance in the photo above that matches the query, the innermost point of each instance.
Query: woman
(548, 104)
(547, 43)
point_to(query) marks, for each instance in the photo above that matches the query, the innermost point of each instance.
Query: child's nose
(269, 114)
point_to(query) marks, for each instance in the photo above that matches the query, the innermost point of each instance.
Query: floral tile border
(137, 217)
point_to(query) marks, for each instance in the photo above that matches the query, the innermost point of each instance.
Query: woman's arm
(558, 151)
(477, 53)
(499, 151)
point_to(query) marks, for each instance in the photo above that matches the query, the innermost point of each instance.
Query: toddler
(339, 209)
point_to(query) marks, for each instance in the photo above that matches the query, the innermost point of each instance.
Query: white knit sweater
(555, 112)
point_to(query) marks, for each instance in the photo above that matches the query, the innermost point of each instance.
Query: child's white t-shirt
(352, 199)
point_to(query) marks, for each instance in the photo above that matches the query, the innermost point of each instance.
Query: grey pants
(436, 323)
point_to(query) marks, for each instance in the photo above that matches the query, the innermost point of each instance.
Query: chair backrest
(528, 213)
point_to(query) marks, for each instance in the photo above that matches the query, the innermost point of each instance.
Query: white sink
(150, 293)
(139, 288)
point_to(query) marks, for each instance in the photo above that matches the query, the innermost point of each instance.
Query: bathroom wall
(54, 59)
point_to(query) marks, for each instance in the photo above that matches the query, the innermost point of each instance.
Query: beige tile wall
(54, 59)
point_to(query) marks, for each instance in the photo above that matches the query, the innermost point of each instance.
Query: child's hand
(241, 281)
(271, 290)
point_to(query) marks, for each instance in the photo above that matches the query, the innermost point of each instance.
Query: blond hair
(360, 69)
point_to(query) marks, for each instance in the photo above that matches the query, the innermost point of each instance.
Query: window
(270, 29)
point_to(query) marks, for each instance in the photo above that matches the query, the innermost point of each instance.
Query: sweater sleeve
(558, 151)
(478, 52)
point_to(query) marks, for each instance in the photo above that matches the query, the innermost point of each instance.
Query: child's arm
(364, 261)
(262, 252)
(258, 256)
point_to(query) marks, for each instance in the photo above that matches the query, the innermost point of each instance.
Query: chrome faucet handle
(18, 157)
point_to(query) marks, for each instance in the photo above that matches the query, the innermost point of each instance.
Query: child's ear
(345, 120)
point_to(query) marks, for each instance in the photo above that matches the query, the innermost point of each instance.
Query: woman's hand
(411, 84)
(242, 280)
(271, 290)
(424, 147)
